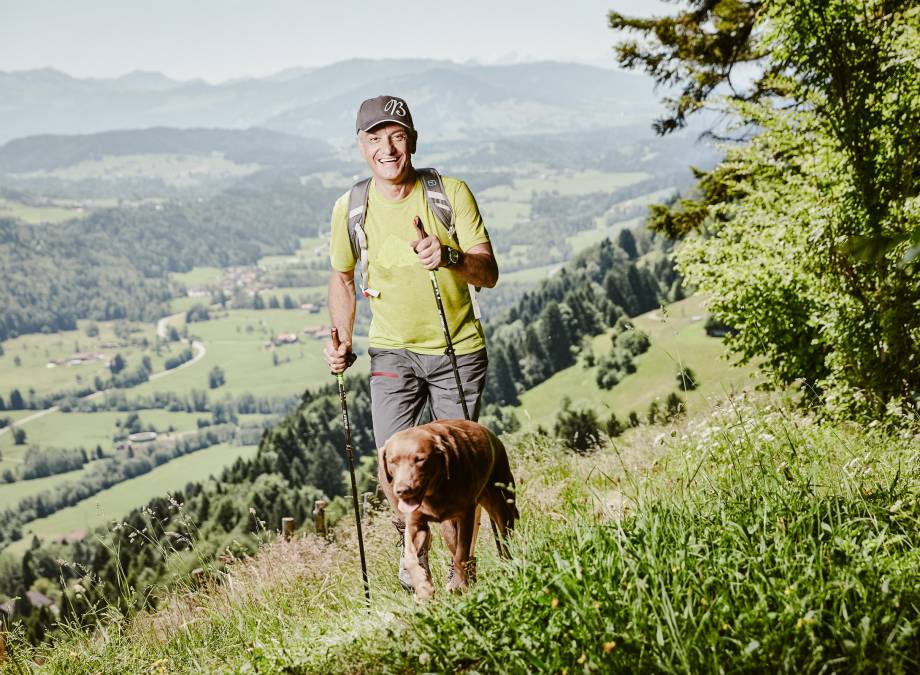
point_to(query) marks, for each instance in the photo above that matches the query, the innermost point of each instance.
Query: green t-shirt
(405, 315)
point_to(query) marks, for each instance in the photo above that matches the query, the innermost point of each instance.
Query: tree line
(807, 234)
(114, 263)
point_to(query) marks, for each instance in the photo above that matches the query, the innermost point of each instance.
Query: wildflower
(609, 646)
(423, 658)
(555, 603)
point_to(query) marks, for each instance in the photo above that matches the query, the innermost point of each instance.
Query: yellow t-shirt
(405, 315)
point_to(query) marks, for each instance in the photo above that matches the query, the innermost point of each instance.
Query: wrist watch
(451, 257)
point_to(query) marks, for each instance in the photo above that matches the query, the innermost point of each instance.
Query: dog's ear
(442, 449)
(383, 464)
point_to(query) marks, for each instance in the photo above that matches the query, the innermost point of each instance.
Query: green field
(35, 215)
(587, 238)
(677, 337)
(12, 493)
(566, 183)
(114, 503)
(237, 343)
(36, 350)
(501, 214)
(174, 170)
(76, 429)
(198, 276)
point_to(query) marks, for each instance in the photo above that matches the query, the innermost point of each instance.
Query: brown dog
(439, 472)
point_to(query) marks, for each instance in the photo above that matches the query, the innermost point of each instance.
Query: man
(409, 369)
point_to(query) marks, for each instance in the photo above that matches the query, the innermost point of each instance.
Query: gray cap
(382, 109)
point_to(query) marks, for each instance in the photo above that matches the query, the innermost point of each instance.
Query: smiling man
(410, 371)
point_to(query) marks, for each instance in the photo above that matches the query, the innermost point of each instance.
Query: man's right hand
(338, 354)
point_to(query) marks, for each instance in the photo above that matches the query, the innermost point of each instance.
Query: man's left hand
(429, 252)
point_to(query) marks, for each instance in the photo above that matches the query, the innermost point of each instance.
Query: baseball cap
(382, 109)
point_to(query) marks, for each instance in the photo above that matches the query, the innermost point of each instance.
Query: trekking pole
(450, 345)
(453, 364)
(351, 464)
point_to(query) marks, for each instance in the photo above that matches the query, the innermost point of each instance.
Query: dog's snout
(401, 490)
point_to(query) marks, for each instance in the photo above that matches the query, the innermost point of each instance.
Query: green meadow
(238, 341)
(34, 353)
(110, 505)
(173, 169)
(678, 339)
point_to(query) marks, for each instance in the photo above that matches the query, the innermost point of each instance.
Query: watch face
(453, 256)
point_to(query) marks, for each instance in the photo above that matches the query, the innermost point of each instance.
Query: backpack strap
(357, 210)
(438, 201)
(442, 209)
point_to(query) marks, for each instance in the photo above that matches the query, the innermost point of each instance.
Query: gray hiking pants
(403, 383)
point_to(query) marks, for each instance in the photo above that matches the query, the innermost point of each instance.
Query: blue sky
(223, 39)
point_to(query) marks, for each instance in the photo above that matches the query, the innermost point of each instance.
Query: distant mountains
(449, 100)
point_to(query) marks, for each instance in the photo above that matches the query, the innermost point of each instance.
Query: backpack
(357, 210)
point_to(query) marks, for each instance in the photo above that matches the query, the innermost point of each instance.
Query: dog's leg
(417, 535)
(461, 553)
(495, 500)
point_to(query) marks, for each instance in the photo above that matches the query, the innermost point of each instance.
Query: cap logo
(395, 107)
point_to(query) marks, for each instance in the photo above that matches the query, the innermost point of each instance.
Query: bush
(579, 430)
(686, 379)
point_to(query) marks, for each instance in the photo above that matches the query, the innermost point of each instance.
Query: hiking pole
(450, 345)
(351, 463)
(453, 364)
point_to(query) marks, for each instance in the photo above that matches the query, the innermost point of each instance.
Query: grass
(78, 429)
(567, 182)
(38, 215)
(531, 274)
(753, 538)
(198, 276)
(678, 338)
(236, 341)
(587, 238)
(36, 350)
(118, 500)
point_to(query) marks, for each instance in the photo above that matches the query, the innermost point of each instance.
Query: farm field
(173, 169)
(109, 505)
(35, 351)
(12, 493)
(236, 341)
(677, 338)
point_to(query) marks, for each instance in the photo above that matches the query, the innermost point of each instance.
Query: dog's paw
(424, 591)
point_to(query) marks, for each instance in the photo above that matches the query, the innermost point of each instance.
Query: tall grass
(756, 541)
(753, 539)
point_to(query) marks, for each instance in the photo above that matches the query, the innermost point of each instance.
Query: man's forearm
(478, 267)
(342, 304)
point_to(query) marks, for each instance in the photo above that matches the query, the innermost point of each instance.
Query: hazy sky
(223, 39)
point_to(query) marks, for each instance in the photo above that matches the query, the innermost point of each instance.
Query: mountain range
(449, 100)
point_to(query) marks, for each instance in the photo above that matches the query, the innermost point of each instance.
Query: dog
(440, 472)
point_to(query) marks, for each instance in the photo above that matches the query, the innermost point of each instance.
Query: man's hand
(338, 354)
(427, 247)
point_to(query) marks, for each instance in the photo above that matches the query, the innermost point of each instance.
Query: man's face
(388, 149)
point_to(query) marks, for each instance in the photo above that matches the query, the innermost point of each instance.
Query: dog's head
(413, 461)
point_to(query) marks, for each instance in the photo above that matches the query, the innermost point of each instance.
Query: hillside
(745, 537)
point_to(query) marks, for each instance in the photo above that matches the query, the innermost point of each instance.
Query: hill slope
(753, 536)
